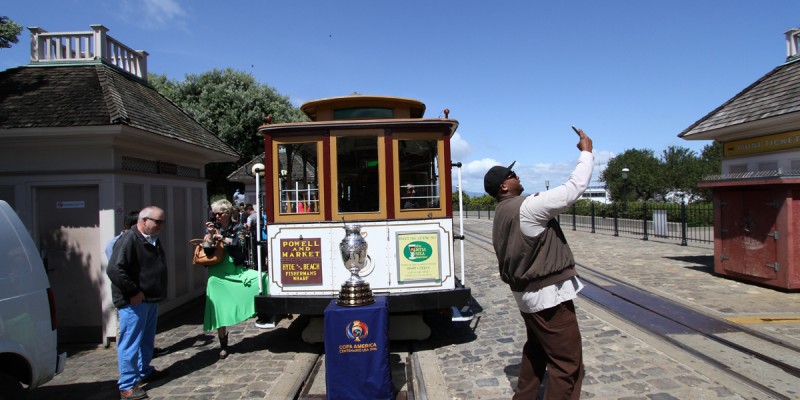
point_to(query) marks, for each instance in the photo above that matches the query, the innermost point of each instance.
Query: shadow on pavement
(702, 263)
(86, 391)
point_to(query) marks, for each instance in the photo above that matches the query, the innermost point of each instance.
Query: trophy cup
(355, 290)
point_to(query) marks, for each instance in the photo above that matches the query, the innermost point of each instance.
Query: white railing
(57, 47)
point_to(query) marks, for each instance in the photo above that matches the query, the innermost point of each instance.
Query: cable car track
(767, 364)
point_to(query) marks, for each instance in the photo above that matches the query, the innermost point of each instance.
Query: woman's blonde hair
(223, 206)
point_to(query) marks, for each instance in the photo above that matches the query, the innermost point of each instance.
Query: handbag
(200, 257)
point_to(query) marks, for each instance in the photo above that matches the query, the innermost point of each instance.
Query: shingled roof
(775, 94)
(95, 95)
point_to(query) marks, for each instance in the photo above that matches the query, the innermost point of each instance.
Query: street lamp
(625, 172)
(257, 171)
(546, 185)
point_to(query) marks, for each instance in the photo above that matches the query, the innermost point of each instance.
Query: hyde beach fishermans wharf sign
(301, 261)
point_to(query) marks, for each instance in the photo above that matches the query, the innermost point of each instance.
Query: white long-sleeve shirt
(536, 211)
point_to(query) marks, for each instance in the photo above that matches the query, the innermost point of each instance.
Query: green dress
(230, 294)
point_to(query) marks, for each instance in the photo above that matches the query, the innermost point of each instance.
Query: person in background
(236, 215)
(302, 204)
(231, 287)
(138, 274)
(251, 215)
(130, 220)
(409, 196)
(536, 262)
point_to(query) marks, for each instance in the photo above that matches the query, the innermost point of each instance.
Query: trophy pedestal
(355, 293)
(357, 342)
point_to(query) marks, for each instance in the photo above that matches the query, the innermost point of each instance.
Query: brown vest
(529, 263)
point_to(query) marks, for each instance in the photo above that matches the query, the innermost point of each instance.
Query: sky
(515, 74)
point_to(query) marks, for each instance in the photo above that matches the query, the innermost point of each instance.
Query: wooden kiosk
(757, 195)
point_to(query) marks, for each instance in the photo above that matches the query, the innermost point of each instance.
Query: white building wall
(65, 163)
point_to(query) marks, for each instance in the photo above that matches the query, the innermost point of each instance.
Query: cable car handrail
(461, 220)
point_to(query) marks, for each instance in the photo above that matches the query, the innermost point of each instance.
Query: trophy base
(355, 294)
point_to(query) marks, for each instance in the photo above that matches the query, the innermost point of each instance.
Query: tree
(677, 171)
(645, 179)
(484, 202)
(9, 30)
(232, 105)
(682, 169)
(712, 158)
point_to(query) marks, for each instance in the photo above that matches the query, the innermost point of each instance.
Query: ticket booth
(756, 193)
(756, 230)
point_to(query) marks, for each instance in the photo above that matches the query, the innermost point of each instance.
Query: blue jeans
(137, 336)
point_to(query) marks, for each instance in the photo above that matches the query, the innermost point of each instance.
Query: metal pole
(257, 172)
(574, 217)
(683, 223)
(644, 218)
(592, 217)
(461, 222)
(616, 221)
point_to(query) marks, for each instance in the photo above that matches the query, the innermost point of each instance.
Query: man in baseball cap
(495, 177)
(537, 264)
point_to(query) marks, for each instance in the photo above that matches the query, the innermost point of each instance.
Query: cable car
(374, 161)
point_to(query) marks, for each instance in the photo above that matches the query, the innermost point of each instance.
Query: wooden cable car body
(367, 160)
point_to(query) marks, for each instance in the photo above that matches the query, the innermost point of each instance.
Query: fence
(669, 221)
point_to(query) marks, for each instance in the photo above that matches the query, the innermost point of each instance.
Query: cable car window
(363, 113)
(419, 170)
(357, 163)
(299, 188)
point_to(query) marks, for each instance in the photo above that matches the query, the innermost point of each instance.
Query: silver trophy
(355, 290)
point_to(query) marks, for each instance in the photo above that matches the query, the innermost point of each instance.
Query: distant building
(597, 193)
(84, 140)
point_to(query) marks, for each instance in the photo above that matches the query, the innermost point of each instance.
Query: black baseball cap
(495, 177)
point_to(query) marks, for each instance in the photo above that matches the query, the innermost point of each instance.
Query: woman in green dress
(231, 287)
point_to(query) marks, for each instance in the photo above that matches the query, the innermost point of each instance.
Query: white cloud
(459, 148)
(472, 173)
(156, 14)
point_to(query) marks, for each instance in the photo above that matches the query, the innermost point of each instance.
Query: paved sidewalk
(475, 360)
(622, 362)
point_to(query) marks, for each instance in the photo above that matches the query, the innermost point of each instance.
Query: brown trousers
(554, 344)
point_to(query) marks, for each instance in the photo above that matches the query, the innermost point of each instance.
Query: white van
(28, 335)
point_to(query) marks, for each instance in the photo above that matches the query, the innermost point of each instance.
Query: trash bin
(660, 223)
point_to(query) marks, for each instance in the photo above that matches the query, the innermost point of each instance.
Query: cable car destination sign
(301, 261)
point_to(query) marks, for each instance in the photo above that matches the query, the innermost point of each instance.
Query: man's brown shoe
(137, 393)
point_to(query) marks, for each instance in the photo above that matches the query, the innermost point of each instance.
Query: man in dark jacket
(138, 273)
(537, 264)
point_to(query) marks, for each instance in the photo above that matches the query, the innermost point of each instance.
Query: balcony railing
(95, 45)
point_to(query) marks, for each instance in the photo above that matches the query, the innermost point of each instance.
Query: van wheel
(10, 388)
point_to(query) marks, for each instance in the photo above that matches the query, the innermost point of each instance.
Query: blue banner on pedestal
(357, 352)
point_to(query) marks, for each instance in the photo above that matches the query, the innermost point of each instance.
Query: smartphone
(576, 130)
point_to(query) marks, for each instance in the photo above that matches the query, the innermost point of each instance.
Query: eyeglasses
(511, 175)
(220, 213)
(157, 221)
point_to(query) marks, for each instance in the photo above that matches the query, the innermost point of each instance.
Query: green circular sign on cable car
(417, 251)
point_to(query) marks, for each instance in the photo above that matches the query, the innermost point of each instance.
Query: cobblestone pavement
(475, 360)
(621, 361)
